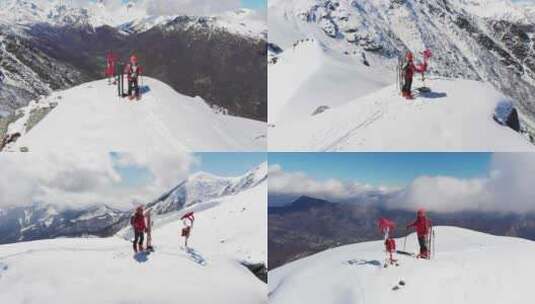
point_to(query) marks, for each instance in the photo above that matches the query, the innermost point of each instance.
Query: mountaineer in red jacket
(423, 226)
(140, 226)
(133, 71)
(409, 68)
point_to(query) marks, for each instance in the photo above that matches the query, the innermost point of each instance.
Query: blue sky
(228, 164)
(254, 4)
(218, 163)
(389, 169)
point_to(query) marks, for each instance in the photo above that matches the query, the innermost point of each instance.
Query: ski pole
(405, 242)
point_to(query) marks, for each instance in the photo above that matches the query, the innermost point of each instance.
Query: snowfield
(228, 231)
(91, 117)
(469, 267)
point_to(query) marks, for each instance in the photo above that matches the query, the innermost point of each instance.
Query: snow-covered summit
(92, 117)
(467, 267)
(201, 187)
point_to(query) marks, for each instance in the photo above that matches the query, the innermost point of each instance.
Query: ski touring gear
(386, 226)
(111, 61)
(149, 231)
(187, 221)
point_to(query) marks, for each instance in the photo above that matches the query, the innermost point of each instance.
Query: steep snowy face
(467, 267)
(201, 187)
(468, 41)
(27, 12)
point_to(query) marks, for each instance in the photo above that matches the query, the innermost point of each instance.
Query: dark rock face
(259, 270)
(37, 71)
(225, 69)
(310, 225)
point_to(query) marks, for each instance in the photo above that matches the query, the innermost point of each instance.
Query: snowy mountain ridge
(129, 17)
(201, 187)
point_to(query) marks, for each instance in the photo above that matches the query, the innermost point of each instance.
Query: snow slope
(381, 121)
(318, 76)
(332, 82)
(91, 117)
(469, 267)
(228, 231)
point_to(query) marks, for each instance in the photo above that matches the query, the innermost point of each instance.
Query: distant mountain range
(309, 225)
(40, 221)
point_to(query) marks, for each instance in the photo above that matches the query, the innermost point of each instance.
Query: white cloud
(171, 7)
(73, 181)
(294, 184)
(191, 7)
(508, 187)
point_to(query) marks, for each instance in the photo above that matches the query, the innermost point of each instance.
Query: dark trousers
(139, 237)
(407, 86)
(133, 85)
(423, 244)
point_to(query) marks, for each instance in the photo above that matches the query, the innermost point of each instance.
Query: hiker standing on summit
(423, 227)
(408, 70)
(133, 71)
(139, 225)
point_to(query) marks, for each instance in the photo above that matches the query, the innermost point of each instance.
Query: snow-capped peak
(130, 16)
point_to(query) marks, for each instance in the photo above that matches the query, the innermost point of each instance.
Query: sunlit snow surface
(468, 267)
(91, 117)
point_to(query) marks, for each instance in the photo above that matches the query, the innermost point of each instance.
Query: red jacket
(111, 58)
(410, 69)
(422, 225)
(133, 71)
(138, 222)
